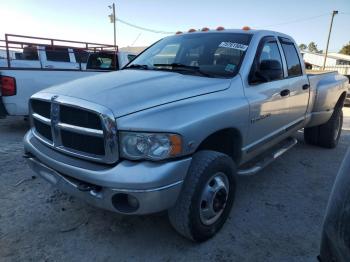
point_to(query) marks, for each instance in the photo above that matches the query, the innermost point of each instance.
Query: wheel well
(341, 100)
(227, 141)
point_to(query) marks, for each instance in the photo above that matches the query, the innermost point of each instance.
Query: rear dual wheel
(326, 135)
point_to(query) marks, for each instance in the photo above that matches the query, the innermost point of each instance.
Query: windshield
(203, 54)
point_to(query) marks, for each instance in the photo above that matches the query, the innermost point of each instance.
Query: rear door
(268, 101)
(298, 82)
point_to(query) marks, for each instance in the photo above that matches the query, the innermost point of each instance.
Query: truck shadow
(282, 206)
(14, 126)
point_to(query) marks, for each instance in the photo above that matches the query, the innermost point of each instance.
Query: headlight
(153, 146)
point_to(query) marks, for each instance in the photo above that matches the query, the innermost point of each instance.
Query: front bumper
(155, 185)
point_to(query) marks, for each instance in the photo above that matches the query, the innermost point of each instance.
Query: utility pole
(329, 36)
(113, 20)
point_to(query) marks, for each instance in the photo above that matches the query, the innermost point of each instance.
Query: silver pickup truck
(173, 129)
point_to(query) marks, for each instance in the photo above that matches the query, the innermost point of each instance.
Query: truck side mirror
(267, 70)
(271, 70)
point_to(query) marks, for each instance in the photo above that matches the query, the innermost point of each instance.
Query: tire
(326, 135)
(329, 133)
(209, 172)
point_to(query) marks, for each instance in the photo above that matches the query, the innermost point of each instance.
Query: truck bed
(318, 72)
(325, 89)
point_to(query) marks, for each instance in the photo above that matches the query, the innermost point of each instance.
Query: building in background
(335, 61)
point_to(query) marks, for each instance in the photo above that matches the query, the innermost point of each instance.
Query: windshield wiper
(178, 66)
(137, 66)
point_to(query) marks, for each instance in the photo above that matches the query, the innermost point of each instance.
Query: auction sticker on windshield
(234, 46)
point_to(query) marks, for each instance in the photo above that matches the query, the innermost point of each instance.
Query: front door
(268, 99)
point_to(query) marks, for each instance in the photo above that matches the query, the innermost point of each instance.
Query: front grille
(41, 107)
(43, 129)
(75, 127)
(89, 144)
(79, 117)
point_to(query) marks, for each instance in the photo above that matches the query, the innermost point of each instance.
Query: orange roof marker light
(192, 30)
(178, 33)
(205, 29)
(220, 28)
(246, 28)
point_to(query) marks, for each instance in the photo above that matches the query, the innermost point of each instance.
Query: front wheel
(206, 197)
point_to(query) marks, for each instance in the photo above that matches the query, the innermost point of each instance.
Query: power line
(260, 27)
(144, 28)
(138, 36)
(294, 21)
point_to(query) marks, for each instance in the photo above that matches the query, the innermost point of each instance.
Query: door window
(268, 65)
(270, 52)
(81, 56)
(292, 58)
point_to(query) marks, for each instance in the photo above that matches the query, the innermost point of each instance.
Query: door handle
(285, 92)
(306, 86)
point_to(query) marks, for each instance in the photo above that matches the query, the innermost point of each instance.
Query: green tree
(312, 47)
(302, 47)
(345, 49)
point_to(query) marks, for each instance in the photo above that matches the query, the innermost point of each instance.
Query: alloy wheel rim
(214, 198)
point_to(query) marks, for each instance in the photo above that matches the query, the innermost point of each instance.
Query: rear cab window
(29, 53)
(57, 54)
(292, 57)
(103, 61)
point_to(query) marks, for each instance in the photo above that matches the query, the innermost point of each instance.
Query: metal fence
(26, 48)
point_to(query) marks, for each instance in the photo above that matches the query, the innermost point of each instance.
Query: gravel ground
(277, 215)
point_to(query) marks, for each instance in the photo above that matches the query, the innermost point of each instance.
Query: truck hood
(129, 91)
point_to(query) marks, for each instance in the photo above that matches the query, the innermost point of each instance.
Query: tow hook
(85, 187)
(95, 191)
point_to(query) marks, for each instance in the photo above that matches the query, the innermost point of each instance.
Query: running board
(253, 167)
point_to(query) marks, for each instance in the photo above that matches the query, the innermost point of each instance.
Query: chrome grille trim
(41, 119)
(108, 132)
(81, 130)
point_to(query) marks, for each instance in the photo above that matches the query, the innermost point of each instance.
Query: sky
(305, 21)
